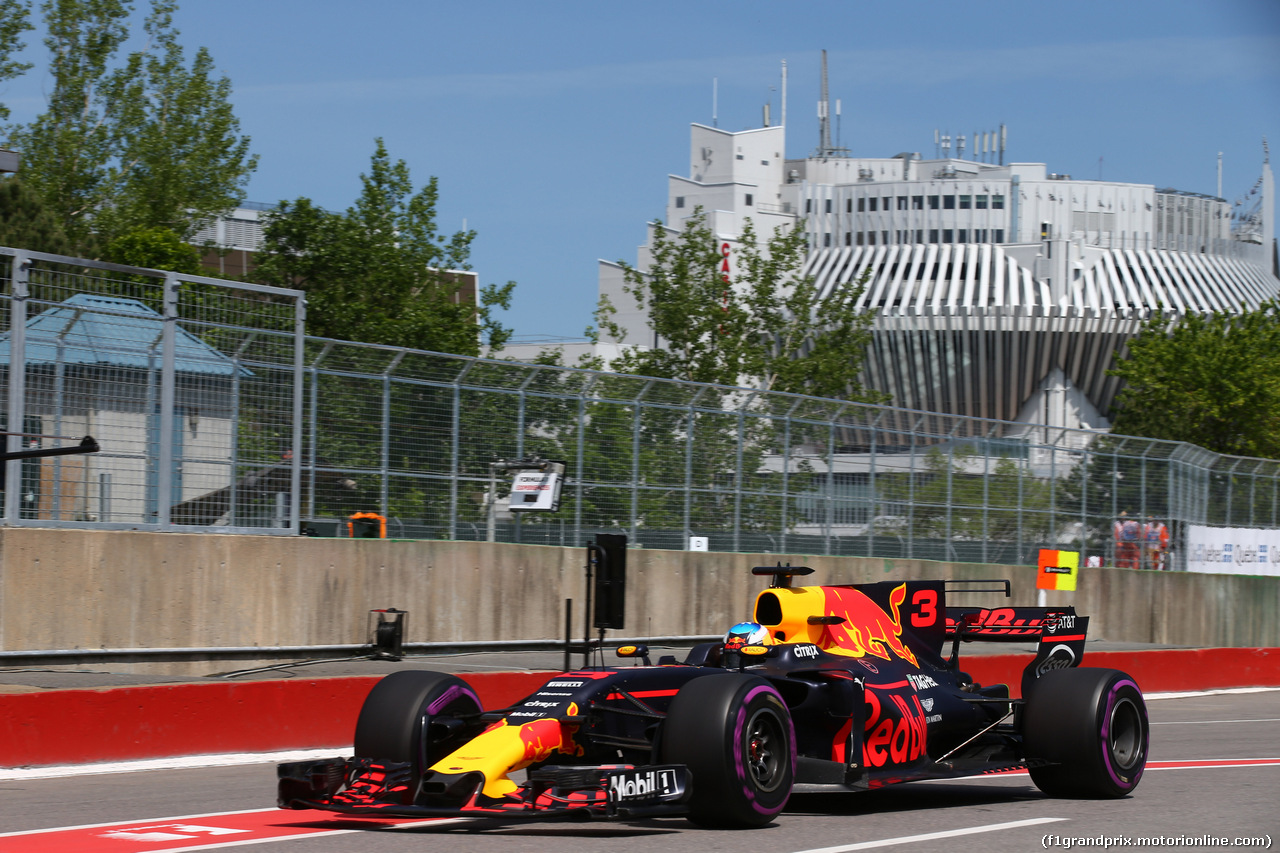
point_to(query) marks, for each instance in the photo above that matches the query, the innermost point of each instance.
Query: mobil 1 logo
(646, 785)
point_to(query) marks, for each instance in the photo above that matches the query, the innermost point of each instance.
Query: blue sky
(552, 126)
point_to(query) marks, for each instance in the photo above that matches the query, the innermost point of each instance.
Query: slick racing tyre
(735, 734)
(1092, 724)
(418, 717)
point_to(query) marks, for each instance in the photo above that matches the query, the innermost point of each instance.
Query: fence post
(636, 476)
(17, 383)
(168, 399)
(299, 377)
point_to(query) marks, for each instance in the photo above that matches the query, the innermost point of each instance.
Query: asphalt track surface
(1214, 771)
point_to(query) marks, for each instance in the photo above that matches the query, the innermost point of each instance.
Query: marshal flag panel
(1058, 570)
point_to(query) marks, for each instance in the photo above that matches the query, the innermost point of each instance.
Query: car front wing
(363, 786)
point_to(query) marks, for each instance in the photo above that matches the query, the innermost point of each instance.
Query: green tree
(382, 272)
(769, 328)
(154, 248)
(147, 142)
(13, 23)
(26, 223)
(1208, 379)
(68, 149)
(184, 160)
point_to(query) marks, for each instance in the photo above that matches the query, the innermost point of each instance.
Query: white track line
(125, 823)
(933, 836)
(1191, 694)
(186, 762)
(1215, 722)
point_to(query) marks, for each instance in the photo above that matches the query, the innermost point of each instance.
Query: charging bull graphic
(867, 630)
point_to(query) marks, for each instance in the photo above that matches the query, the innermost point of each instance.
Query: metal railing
(215, 412)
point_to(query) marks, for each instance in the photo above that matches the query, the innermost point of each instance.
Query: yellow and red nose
(504, 748)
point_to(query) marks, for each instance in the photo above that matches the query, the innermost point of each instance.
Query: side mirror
(635, 651)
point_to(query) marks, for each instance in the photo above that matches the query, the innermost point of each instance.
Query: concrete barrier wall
(78, 589)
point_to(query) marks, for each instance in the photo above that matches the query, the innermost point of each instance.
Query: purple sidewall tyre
(735, 734)
(1086, 733)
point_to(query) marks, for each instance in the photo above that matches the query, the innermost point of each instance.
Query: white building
(1002, 290)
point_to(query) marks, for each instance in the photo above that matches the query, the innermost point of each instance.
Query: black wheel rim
(765, 750)
(1124, 734)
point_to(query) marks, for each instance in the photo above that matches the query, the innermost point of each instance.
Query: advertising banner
(1233, 550)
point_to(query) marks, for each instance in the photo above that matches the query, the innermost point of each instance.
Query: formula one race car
(831, 688)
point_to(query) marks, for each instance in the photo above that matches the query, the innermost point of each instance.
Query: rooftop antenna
(960, 146)
(937, 151)
(837, 122)
(824, 122)
(825, 148)
(1219, 174)
(1003, 139)
(783, 117)
(715, 96)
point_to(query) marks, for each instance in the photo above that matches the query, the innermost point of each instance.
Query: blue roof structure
(110, 331)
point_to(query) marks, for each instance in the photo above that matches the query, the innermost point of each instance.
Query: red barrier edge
(163, 721)
(1155, 670)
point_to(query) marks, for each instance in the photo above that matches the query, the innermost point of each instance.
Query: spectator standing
(1128, 535)
(1155, 543)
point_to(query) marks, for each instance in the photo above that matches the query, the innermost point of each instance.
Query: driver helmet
(746, 634)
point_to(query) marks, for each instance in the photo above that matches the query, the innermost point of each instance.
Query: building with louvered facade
(1001, 291)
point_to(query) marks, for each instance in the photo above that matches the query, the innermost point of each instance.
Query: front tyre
(1092, 723)
(417, 717)
(734, 733)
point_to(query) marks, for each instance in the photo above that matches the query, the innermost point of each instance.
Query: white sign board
(1233, 550)
(535, 491)
(699, 543)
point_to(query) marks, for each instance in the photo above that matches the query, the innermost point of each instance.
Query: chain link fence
(190, 385)
(215, 412)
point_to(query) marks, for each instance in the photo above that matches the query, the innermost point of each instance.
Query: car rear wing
(1002, 624)
(1007, 624)
(1059, 633)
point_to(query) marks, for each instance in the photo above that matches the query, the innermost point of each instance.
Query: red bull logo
(1003, 621)
(540, 739)
(867, 630)
(896, 730)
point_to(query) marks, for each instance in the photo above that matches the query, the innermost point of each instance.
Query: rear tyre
(414, 716)
(1093, 724)
(735, 734)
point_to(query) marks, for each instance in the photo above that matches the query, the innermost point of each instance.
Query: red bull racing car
(831, 688)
